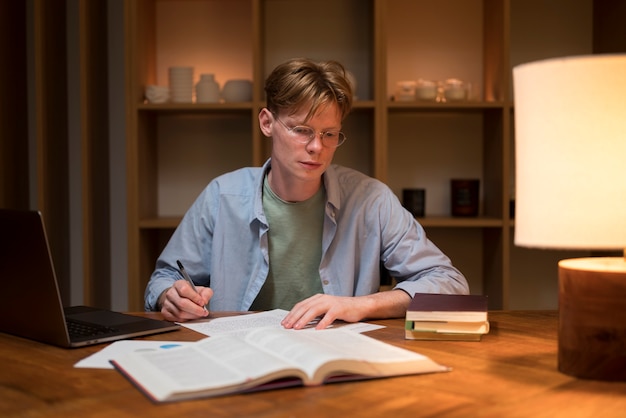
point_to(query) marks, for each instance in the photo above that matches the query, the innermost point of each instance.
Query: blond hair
(302, 82)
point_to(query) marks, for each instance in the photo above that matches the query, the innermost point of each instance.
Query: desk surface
(511, 372)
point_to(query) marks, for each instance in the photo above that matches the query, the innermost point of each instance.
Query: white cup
(181, 84)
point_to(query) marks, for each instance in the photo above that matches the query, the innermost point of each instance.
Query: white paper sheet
(242, 323)
(100, 360)
(238, 324)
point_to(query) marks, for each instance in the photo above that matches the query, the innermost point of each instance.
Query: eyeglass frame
(342, 137)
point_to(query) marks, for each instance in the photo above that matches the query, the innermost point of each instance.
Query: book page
(294, 347)
(222, 362)
(311, 350)
(240, 324)
(439, 326)
(242, 358)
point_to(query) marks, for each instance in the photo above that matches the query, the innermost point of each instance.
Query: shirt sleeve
(191, 244)
(417, 264)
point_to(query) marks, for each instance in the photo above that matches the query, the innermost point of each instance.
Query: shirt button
(325, 282)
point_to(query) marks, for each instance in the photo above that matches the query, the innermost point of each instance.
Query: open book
(266, 358)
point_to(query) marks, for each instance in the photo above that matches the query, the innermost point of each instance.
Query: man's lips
(310, 164)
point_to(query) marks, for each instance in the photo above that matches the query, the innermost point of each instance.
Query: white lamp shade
(570, 135)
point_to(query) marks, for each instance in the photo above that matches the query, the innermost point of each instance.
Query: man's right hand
(181, 303)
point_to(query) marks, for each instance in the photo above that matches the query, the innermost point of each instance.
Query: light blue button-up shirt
(222, 241)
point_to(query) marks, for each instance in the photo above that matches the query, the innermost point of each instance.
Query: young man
(299, 233)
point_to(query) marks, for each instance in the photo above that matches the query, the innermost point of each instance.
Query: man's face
(295, 161)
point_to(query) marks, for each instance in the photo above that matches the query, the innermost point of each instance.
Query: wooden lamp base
(592, 318)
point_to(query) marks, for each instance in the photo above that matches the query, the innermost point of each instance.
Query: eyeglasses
(306, 134)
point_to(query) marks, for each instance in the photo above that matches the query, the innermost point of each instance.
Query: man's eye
(302, 130)
(331, 135)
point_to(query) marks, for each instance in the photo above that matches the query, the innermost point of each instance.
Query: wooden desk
(512, 372)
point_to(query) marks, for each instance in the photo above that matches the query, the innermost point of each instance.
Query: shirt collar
(331, 182)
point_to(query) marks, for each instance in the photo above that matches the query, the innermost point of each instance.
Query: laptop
(31, 305)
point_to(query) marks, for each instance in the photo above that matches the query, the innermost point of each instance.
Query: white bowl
(426, 90)
(405, 91)
(455, 90)
(237, 91)
(157, 94)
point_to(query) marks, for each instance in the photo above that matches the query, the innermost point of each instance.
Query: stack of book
(446, 317)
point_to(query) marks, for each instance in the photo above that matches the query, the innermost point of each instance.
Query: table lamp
(570, 136)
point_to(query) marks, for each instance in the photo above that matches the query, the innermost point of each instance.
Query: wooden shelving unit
(175, 149)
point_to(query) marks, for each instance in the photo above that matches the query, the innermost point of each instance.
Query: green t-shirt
(295, 250)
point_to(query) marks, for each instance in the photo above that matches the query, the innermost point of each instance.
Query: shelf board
(426, 105)
(460, 222)
(186, 107)
(363, 104)
(165, 222)
(194, 107)
(199, 107)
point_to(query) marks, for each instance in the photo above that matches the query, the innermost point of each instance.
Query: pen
(188, 279)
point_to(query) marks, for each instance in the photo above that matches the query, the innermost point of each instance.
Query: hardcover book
(447, 317)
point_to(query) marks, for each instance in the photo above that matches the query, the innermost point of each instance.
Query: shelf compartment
(426, 149)
(341, 30)
(435, 41)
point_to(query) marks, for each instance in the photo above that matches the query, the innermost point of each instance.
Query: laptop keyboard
(83, 329)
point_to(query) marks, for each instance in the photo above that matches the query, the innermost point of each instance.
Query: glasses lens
(333, 138)
(303, 133)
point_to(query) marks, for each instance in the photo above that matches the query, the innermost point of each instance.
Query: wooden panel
(94, 117)
(13, 106)
(609, 26)
(140, 55)
(51, 130)
(496, 46)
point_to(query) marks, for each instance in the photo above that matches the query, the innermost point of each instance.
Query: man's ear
(265, 122)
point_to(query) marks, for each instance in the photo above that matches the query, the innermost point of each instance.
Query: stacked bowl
(181, 84)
